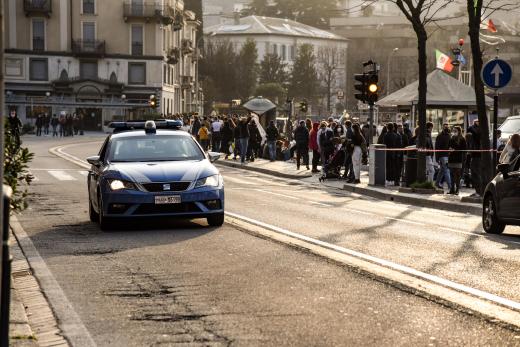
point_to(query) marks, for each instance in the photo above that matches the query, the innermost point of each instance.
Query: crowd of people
(64, 125)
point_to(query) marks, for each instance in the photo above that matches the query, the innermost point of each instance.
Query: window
(292, 53)
(38, 69)
(284, 52)
(89, 31)
(38, 34)
(89, 6)
(275, 49)
(88, 69)
(164, 73)
(137, 7)
(14, 67)
(137, 73)
(137, 40)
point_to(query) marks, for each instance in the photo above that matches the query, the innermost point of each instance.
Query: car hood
(172, 171)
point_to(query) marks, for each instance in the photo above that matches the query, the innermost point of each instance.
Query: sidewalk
(461, 203)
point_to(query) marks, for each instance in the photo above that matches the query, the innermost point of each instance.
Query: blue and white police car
(153, 169)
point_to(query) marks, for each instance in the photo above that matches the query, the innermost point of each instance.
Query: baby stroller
(332, 169)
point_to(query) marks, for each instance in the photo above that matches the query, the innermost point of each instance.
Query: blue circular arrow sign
(497, 74)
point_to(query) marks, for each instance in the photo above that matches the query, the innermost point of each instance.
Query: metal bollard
(5, 288)
(377, 166)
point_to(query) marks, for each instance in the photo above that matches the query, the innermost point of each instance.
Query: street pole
(370, 124)
(388, 70)
(495, 122)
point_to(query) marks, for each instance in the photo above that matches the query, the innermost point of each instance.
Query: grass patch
(23, 337)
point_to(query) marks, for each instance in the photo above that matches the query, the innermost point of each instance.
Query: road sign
(497, 74)
(341, 94)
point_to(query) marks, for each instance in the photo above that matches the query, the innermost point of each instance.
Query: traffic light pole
(370, 123)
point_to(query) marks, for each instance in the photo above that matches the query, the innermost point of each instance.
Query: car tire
(216, 220)
(105, 223)
(94, 216)
(490, 220)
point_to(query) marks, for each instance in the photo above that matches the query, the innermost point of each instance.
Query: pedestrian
(301, 136)
(15, 126)
(510, 150)
(400, 155)
(226, 138)
(62, 125)
(313, 146)
(457, 144)
(203, 136)
(325, 143)
(254, 141)
(75, 124)
(430, 168)
(381, 137)
(271, 136)
(359, 142)
(393, 143)
(243, 137)
(442, 145)
(39, 125)
(349, 168)
(195, 127)
(308, 124)
(54, 124)
(475, 168)
(46, 123)
(216, 138)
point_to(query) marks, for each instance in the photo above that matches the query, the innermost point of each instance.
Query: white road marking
(386, 263)
(240, 181)
(321, 204)
(361, 212)
(277, 194)
(70, 323)
(61, 175)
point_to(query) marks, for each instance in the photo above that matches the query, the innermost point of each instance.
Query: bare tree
(479, 10)
(421, 13)
(329, 59)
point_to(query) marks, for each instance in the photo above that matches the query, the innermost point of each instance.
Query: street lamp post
(388, 70)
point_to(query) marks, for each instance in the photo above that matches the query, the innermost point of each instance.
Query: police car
(153, 169)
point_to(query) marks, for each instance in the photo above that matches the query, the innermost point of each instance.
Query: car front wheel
(490, 221)
(105, 223)
(216, 220)
(94, 217)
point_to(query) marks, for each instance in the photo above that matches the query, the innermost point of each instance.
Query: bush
(16, 174)
(423, 185)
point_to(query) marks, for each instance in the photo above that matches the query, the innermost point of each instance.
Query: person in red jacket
(313, 146)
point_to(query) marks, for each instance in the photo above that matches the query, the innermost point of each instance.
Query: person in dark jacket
(226, 138)
(313, 146)
(404, 140)
(349, 166)
(271, 137)
(195, 127)
(243, 137)
(443, 144)
(254, 141)
(476, 178)
(392, 141)
(54, 123)
(39, 125)
(301, 136)
(325, 143)
(456, 158)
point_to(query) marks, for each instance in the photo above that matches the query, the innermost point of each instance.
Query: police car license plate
(168, 199)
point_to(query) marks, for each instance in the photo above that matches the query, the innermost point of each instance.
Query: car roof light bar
(167, 124)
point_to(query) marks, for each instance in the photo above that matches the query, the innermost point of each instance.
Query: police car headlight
(210, 181)
(119, 185)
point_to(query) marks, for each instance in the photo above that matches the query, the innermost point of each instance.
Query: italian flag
(489, 26)
(443, 61)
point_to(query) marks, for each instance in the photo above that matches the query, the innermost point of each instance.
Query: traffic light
(361, 86)
(153, 101)
(304, 106)
(372, 87)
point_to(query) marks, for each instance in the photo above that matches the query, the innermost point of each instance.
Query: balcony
(186, 82)
(137, 48)
(142, 12)
(37, 7)
(88, 48)
(187, 46)
(173, 56)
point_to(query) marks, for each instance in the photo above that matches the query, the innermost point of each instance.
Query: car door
(95, 173)
(509, 192)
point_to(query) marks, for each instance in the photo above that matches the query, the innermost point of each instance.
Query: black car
(502, 199)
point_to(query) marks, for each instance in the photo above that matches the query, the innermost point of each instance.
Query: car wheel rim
(489, 212)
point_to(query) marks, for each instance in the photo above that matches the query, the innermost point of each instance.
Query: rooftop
(256, 25)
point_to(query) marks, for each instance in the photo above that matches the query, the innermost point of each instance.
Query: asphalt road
(182, 282)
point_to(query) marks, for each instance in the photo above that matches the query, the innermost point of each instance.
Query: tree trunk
(422, 37)
(487, 170)
(329, 94)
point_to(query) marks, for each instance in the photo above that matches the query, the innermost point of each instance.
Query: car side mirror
(94, 160)
(503, 168)
(213, 156)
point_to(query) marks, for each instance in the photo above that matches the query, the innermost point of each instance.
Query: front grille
(159, 187)
(184, 207)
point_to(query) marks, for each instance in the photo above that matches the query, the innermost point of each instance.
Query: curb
(415, 201)
(261, 170)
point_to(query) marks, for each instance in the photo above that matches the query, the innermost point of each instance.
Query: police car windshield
(511, 126)
(154, 148)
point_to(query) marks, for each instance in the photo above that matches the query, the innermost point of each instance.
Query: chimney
(236, 17)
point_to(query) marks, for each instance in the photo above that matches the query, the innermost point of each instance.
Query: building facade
(283, 37)
(101, 59)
